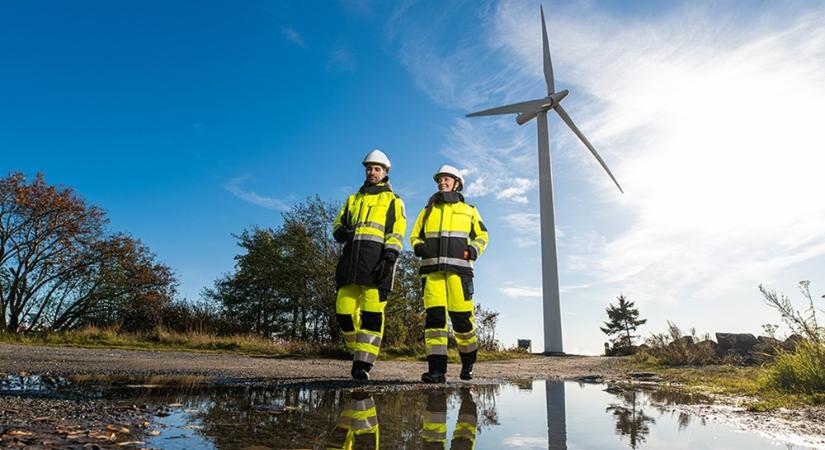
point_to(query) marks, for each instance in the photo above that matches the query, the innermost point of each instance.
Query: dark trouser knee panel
(461, 321)
(371, 321)
(436, 318)
(345, 321)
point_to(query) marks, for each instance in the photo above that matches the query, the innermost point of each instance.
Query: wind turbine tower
(538, 109)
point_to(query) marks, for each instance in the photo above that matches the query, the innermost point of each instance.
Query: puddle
(196, 413)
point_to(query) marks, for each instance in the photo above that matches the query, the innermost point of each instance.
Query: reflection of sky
(523, 422)
(174, 436)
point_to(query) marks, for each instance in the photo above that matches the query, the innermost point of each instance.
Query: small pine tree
(624, 319)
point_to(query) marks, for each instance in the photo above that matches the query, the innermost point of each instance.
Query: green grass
(159, 339)
(792, 381)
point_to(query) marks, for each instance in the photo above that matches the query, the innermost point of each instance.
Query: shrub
(674, 348)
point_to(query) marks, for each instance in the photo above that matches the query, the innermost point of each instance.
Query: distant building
(525, 344)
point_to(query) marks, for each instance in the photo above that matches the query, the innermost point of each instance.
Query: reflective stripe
(475, 246)
(440, 234)
(436, 350)
(434, 334)
(465, 336)
(373, 225)
(393, 246)
(464, 434)
(393, 236)
(362, 405)
(364, 338)
(367, 357)
(481, 241)
(469, 419)
(468, 348)
(447, 260)
(368, 237)
(364, 424)
(434, 435)
(438, 417)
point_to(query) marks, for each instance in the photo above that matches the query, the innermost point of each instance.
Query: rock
(738, 343)
(707, 343)
(791, 342)
(643, 375)
(596, 378)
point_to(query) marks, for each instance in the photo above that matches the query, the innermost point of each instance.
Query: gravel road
(77, 361)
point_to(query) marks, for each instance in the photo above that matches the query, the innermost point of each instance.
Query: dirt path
(76, 361)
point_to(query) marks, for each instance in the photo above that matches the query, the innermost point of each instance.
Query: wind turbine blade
(566, 118)
(526, 117)
(515, 108)
(548, 66)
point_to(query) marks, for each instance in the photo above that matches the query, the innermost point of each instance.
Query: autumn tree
(57, 263)
(623, 321)
(283, 282)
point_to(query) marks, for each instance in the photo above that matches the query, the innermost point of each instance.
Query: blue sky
(189, 121)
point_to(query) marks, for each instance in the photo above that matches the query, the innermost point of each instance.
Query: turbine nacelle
(549, 102)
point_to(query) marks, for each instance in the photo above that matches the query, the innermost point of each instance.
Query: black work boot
(466, 372)
(361, 370)
(467, 361)
(437, 369)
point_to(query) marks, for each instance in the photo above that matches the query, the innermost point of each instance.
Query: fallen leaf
(191, 427)
(117, 428)
(125, 443)
(19, 433)
(175, 405)
(153, 433)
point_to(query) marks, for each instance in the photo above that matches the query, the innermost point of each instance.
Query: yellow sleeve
(396, 226)
(343, 218)
(479, 237)
(415, 239)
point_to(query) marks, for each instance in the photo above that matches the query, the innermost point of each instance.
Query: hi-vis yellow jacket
(371, 226)
(451, 227)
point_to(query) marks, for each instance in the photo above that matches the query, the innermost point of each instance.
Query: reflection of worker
(448, 236)
(434, 434)
(357, 427)
(371, 226)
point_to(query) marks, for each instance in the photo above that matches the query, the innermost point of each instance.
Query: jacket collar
(447, 197)
(376, 188)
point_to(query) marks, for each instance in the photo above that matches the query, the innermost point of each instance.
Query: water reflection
(631, 420)
(357, 427)
(195, 413)
(434, 432)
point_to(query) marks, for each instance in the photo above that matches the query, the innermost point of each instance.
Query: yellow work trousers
(360, 313)
(357, 427)
(434, 431)
(444, 294)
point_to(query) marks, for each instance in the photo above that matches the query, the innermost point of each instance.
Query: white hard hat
(377, 157)
(447, 169)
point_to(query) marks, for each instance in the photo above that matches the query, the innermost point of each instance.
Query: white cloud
(522, 292)
(293, 36)
(520, 441)
(342, 59)
(235, 187)
(708, 116)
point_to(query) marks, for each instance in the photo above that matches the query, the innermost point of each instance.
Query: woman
(448, 236)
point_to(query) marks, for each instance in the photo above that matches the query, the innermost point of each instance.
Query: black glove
(472, 253)
(343, 234)
(419, 250)
(385, 267)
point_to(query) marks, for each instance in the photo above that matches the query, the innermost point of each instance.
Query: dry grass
(160, 339)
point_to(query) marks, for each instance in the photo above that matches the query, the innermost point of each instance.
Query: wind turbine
(526, 111)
